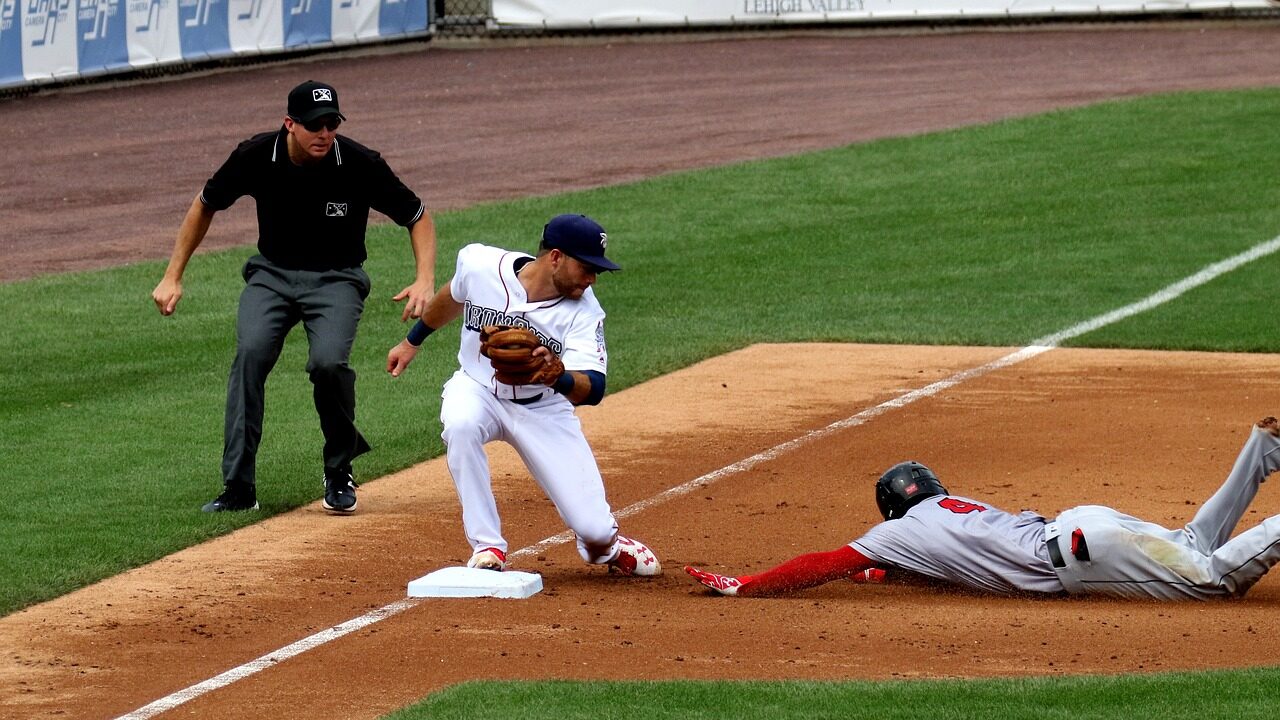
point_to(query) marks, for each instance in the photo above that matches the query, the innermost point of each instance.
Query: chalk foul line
(1035, 348)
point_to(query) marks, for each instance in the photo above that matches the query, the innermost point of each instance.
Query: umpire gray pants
(275, 299)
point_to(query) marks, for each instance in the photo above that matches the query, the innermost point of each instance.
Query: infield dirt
(1149, 433)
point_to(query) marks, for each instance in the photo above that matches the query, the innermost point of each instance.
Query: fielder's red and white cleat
(634, 558)
(488, 559)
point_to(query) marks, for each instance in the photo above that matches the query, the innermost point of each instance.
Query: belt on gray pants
(1053, 543)
(1055, 553)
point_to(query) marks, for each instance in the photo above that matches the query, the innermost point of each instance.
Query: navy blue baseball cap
(579, 237)
(312, 100)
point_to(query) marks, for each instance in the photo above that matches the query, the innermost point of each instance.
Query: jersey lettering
(476, 316)
(960, 507)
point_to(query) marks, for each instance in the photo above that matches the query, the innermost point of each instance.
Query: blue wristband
(418, 333)
(564, 383)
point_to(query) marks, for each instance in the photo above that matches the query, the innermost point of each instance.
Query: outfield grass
(993, 235)
(1230, 695)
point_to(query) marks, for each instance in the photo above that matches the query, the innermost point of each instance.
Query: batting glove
(722, 584)
(870, 575)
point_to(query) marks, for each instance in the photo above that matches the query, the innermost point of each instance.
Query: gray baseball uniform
(966, 542)
(1090, 549)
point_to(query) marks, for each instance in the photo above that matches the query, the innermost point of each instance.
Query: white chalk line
(254, 666)
(1036, 347)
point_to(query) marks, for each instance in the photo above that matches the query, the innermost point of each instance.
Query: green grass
(1230, 695)
(994, 235)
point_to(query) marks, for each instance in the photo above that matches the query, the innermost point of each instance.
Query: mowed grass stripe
(1229, 695)
(991, 235)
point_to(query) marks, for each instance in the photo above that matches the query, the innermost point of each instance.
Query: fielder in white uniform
(1086, 550)
(552, 296)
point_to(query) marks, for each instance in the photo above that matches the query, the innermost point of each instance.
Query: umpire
(313, 189)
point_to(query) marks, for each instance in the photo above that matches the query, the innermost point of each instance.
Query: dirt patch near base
(1148, 433)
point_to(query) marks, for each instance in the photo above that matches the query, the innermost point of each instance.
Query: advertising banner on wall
(307, 22)
(100, 32)
(256, 25)
(353, 20)
(668, 13)
(400, 13)
(10, 43)
(49, 40)
(204, 28)
(152, 27)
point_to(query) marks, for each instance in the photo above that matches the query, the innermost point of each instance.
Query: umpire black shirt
(312, 217)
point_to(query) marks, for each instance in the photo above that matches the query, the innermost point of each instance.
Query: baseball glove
(510, 351)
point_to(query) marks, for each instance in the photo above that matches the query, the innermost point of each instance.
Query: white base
(473, 582)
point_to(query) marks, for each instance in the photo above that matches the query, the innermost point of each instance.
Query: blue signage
(101, 33)
(203, 29)
(399, 17)
(42, 40)
(307, 22)
(10, 43)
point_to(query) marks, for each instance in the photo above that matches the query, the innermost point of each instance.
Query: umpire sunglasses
(331, 122)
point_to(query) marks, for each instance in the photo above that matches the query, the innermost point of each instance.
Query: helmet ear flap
(904, 485)
(884, 499)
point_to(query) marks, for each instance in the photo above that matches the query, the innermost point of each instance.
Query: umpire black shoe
(339, 492)
(232, 501)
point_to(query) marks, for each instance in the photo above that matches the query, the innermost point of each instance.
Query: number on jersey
(960, 507)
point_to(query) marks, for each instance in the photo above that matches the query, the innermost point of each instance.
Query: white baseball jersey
(538, 422)
(965, 542)
(485, 282)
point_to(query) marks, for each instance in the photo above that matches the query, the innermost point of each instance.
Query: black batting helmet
(904, 485)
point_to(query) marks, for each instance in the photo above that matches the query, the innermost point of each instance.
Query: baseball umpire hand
(166, 295)
(722, 584)
(517, 356)
(418, 296)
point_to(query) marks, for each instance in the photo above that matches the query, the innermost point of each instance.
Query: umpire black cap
(312, 100)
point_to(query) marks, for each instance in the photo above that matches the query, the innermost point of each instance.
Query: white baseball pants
(548, 437)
